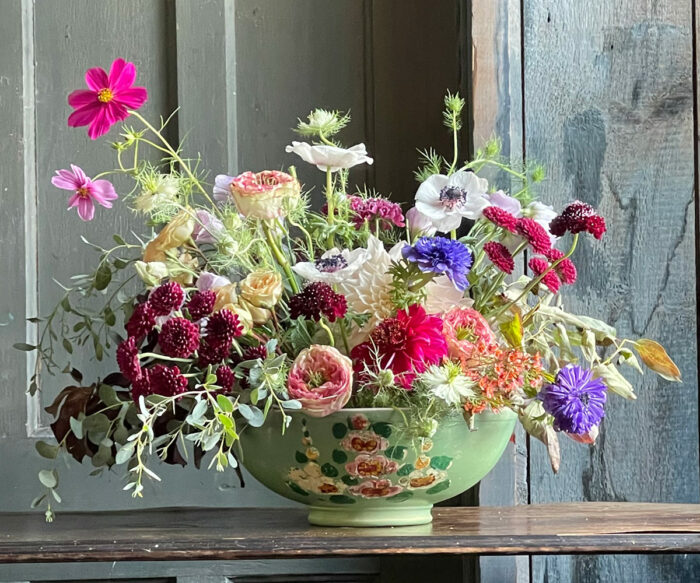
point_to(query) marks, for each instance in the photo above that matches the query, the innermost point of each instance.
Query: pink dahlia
(406, 345)
(535, 234)
(551, 280)
(108, 99)
(467, 333)
(141, 322)
(178, 338)
(501, 218)
(86, 192)
(166, 298)
(321, 380)
(500, 256)
(128, 359)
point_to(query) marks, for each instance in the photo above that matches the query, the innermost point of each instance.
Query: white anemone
(449, 199)
(334, 266)
(330, 157)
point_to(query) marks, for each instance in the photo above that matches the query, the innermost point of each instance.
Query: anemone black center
(451, 196)
(331, 264)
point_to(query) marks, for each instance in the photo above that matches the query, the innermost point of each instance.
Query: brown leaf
(552, 442)
(70, 402)
(588, 437)
(656, 358)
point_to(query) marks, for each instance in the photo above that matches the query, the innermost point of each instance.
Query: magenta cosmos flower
(108, 99)
(86, 192)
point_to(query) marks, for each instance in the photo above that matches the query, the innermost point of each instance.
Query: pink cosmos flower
(108, 99)
(86, 192)
(321, 380)
(464, 330)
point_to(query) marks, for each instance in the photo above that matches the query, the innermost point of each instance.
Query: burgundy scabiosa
(576, 218)
(166, 380)
(500, 256)
(211, 353)
(441, 256)
(178, 338)
(566, 270)
(141, 387)
(501, 218)
(318, 300)
(128, 359)
(221, 329)
(166, 298)
(225, 378)
(406, 345)
(86, 192)
(535, 234)
(201, 304)
(368, 210)
(255, 352)
(538, 265)
(576, 400)
(141, 321)
(108, 99)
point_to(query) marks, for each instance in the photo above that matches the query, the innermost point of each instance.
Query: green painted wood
(609, 111)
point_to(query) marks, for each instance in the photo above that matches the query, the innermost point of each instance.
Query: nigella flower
(441, 256)
(449, 199)
(330, 157)
(575, 400)
(108, 99)
(86, 192)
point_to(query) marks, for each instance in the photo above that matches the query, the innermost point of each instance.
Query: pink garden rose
(365, 465)
(321, 380)
(464, 329)
(262, 195)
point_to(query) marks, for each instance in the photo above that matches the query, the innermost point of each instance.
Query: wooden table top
(250, 533)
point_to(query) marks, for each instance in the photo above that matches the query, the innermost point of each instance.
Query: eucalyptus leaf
(46, 450)
(76, 427)
(48, 478)
(252, 414)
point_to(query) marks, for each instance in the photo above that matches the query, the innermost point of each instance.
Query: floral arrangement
(239, 298)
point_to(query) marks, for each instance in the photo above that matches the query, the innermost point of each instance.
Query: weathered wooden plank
(609, 111)
(195, 534)
(293, 57)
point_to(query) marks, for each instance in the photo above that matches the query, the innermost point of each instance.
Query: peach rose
(262, 288)
(174, 234)
(262, 195)
(321, 380)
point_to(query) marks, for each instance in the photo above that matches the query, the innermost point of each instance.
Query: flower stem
(280, 258)
(331, 339)
(344, 334)
(330, 215)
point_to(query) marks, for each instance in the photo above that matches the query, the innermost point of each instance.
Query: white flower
(330, 157)
(443, 296)
(333, 267)
(449, 199)
(368, 289)
(448, 383)
(419, 225)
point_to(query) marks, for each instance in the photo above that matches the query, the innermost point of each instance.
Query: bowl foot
(397, 516)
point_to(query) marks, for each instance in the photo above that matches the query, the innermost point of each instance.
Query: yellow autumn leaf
(656, 358)
(513, 331)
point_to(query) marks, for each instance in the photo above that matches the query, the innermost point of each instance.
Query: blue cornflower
(575, 400)
(441, 256)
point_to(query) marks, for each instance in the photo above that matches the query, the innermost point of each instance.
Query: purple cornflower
(575, 400)
(441, 256)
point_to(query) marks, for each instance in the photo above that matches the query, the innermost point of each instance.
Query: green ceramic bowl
(358, 467)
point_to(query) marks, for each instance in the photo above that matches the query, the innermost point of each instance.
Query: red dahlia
(406, 345)
(141, 322)
(501, 218)
(178, 338)
(535, 234)
(128, 359)
(166, 380)
(500, 256)
(222, 327)
(166, 298)
(201, 304)
(578, 217)
(318, 299)
(551, 280)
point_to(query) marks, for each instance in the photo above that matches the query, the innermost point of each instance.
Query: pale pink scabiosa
(500, 256)
(406, 345)
(446, 200)
(376, 211)
(465, 330)
(207, 228)
(108, 99)
(262, 195)
(321, 380)
(86, 192)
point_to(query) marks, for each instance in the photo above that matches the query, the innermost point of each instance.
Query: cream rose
(174, 234)
(262, 195)
(262, 288)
